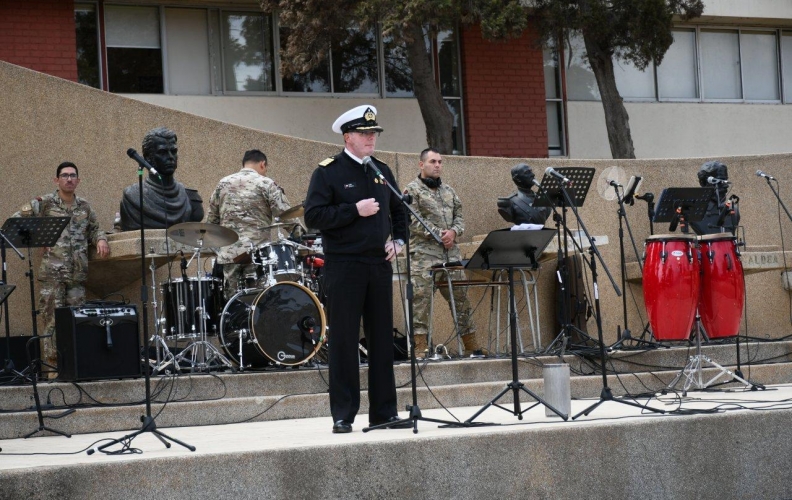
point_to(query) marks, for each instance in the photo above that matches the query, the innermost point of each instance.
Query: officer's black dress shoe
(407, 424)
(342, 427)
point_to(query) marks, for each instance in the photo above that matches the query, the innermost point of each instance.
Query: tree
(638, 31)
(322, 25)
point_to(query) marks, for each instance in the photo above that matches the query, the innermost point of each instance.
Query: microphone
(759, 173)
(614, 183)
(141, 161)
(647, 197)
(557, 175)
(368, 163)
(713, 180)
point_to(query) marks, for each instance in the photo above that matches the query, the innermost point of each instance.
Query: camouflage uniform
(64, 267)
(245, 202)
(441, 209)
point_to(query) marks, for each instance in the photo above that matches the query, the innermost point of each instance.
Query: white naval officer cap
(363, 117)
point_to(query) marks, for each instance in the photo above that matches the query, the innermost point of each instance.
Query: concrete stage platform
(720, 444)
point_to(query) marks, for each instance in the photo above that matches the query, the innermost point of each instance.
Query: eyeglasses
(68, 176)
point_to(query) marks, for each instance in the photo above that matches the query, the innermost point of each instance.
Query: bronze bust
(165, 200)
(518, 207)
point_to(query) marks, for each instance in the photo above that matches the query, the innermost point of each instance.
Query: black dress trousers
(356, 289)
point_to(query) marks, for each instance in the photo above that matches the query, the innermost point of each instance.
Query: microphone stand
(414, 409)
(625, 335)
(149, 425)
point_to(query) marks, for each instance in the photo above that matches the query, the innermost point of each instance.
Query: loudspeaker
(97, 342)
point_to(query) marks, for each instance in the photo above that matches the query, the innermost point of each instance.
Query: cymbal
(278, 224)
(190, 234)
(295, 211)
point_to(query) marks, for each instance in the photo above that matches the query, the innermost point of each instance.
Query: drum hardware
(201, 354)
(291, 213)
(719, 309)
(164, 356)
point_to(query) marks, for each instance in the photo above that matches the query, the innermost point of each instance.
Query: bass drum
(282, 325)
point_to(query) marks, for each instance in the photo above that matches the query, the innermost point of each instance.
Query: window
(555, 104)
(316, 80)
(248, 56)
(354, 63)
(720, 65)
(398, 74)
(676, 75)
(134, 56)
(786, 64)
(188, 51)
(86, 25)
(760, 65)
(633, 83)
(581, 84)
(449, 79)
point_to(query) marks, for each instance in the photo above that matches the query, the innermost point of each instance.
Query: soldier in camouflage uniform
(246, 202)
(440, 207)
(64, 267)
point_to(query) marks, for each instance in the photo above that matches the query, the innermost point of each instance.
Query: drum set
(275, 318)
(687, 279)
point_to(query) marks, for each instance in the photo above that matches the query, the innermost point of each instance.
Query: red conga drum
(722, 286)
(671, 284)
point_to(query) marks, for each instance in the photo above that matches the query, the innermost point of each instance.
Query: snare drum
(671, 284)
(722, 286)
(282, 325)
(279, 261)
(181, 306)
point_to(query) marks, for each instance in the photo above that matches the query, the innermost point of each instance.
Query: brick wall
(504, 96)
(40, 35)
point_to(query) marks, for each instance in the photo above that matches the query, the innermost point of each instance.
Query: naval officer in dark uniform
(363, 226)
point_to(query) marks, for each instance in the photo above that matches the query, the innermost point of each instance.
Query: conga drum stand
(693, 371)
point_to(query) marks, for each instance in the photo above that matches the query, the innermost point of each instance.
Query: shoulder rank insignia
(326, 161)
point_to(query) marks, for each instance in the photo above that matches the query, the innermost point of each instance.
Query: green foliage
(635, 30)
(320, 22)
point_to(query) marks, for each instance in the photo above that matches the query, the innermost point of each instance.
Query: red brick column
(504, 96)
(40, 35)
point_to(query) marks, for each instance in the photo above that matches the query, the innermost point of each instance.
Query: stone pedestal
(122, 267)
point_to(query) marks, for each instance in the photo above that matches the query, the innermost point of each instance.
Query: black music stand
(681, 206)
(34, 232)
(505, 249)
(551, 194)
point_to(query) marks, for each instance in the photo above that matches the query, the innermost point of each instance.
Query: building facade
(724, 87)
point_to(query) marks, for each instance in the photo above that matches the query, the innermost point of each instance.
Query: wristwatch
(400, 242)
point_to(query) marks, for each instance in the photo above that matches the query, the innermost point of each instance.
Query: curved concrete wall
(48, 120)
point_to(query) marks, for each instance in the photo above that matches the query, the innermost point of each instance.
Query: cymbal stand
(202, 353)
(164, 355)
(693, 369)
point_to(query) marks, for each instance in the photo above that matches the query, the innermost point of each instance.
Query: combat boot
(472, 347)
(421, 348)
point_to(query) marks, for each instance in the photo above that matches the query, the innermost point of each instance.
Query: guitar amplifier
(97, 342)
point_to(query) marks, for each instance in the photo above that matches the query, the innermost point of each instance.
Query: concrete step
(204, 399)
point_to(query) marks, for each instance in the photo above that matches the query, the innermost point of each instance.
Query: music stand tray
(506, 249)
(691, 201)
(580, 181)
(32, 232)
